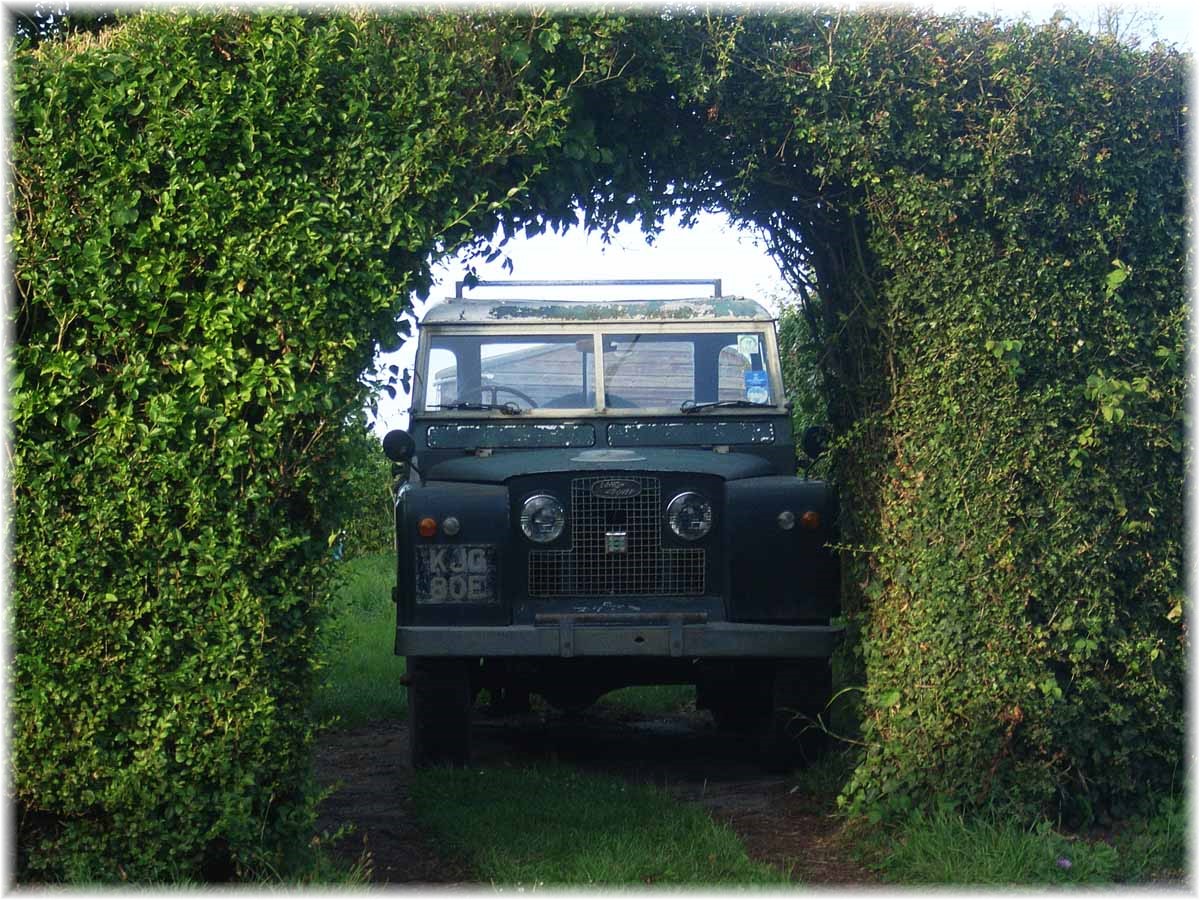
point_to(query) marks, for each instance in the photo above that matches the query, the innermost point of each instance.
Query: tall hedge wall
(1025, 638)
(217, 220)
(990, 223)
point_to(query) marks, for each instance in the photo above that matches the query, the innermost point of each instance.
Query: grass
(826, 776)
(1156, 848)
(553, 825)
(654, 699)
(946, 848)
(362, 675)
(319, 867)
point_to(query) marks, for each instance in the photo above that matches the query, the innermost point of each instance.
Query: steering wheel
(616, 401)
(477, 391)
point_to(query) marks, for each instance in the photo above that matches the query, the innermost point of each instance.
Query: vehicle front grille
(592, 567)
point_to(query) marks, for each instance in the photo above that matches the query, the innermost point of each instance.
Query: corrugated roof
(503, 312)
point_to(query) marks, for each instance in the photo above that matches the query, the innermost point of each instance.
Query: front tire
(796, 731)
(739, 699)
(440, 697)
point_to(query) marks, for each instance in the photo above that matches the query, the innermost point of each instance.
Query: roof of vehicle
(503, 312)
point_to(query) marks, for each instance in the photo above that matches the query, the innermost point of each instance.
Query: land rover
(603, 493)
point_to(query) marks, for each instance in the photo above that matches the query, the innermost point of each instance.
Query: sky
(713, 248)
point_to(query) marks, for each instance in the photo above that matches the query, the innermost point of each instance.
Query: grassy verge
(362, 673)
(552, 825)
(1156, 848)
(944, 848)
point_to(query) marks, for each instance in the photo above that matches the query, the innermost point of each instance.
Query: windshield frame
(597, 331)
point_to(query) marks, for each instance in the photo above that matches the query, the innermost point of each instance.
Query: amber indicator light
(427, 527)
(811, 520)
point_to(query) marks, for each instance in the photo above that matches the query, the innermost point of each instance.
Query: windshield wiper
(691, 406)
(508, 408)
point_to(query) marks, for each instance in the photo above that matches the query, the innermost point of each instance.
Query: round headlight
(542, 518)
(690, 516)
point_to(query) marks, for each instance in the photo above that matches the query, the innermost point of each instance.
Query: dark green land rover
(603, 494)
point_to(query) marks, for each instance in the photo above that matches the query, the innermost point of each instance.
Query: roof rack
(714, 283)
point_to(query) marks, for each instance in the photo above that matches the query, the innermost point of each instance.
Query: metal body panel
(692, 433)
(483, 513)
(524, 435)
(568, 639)
(778, 574)
(500, 467)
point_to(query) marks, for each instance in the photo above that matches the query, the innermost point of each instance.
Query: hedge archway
(988, 221)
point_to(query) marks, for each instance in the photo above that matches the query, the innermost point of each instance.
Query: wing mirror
(399, 446)
(815, 441)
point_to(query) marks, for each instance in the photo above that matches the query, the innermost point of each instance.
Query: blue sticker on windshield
(756, 386)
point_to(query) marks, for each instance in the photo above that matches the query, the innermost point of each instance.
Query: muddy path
(779, 824)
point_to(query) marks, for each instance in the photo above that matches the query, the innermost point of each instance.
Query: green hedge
(990, 224)
(364, 487)
(217, 221)
(800, 359)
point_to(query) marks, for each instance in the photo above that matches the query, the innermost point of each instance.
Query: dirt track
(681, 754)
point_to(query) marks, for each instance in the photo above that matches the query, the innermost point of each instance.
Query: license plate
(458, 573)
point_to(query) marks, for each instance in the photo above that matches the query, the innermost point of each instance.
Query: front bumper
(568, 637)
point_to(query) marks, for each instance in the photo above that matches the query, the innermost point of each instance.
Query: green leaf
(888, 700)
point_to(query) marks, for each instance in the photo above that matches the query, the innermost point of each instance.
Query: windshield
(675, 370)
